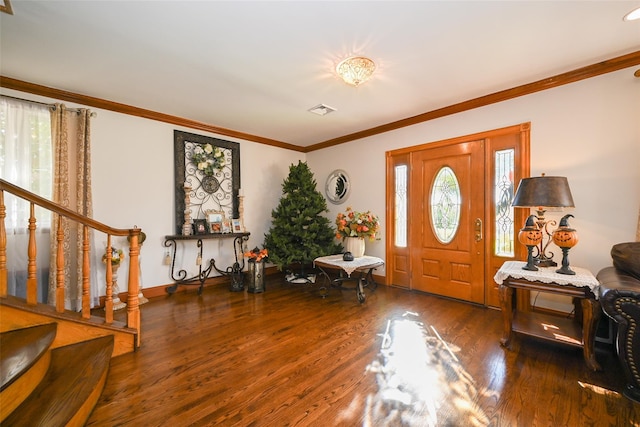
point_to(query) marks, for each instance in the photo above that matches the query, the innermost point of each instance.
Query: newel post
(133, 304)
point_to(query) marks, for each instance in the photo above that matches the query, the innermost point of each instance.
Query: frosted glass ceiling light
(633, 15)
(356, 70)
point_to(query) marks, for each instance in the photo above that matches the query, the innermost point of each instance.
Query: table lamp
(543, 193)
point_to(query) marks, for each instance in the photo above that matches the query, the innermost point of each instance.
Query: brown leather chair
(620, 300)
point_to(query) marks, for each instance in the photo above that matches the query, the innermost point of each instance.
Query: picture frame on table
(215, 219)
(226, 226)
(236, 225)
(200, 226)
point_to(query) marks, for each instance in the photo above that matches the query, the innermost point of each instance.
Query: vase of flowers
(117, 255)
(355, 245)
(257, 258)
(354, 227)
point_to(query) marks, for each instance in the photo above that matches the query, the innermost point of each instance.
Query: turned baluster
(108, 302)
(32, 280)
(60, 279)
(3, 248)
(86, 270)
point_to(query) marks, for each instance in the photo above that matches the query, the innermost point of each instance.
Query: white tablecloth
(582, 278)
(349, 266)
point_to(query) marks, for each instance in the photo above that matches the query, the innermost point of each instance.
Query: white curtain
(26, 161)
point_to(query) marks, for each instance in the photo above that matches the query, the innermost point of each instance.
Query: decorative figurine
(530, 236)
(566, 238)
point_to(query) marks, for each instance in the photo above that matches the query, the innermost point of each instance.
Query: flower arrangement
(208, 159)
(117, 255)
(257, 255)
(357, 224)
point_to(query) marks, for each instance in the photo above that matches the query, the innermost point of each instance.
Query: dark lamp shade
(543, 191)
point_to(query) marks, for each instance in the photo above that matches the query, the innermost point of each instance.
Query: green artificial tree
(299, 232)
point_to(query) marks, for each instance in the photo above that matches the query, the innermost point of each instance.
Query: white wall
(588, 131)
(133, 176)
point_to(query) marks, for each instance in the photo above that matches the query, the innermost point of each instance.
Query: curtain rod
(51, 106)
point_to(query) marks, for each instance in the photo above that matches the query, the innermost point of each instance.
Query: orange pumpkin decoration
(565, 236)
(530, 235)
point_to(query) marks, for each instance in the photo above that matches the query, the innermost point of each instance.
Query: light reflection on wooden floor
(420, 380)
(287, 357)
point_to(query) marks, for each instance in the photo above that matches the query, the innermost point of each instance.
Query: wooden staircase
(46, 385)
(54, 362)
(86, 224)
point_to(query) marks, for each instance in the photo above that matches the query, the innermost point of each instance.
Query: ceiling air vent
(321, 110)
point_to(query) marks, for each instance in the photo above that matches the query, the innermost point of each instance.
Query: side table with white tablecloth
(579, 331)
(359, 270)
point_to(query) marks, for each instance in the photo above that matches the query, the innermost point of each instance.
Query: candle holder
(530, 236)
(186, 226)
(565, 238)
(241, 212)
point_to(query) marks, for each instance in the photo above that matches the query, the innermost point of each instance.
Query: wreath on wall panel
(209, 170)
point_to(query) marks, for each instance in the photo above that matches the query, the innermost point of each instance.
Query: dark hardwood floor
(290, 358)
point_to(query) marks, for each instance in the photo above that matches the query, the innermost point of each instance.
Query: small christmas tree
(299, 233)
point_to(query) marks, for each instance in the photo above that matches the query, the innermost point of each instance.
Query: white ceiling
(257, 67)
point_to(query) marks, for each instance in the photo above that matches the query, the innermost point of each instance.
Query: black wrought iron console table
(234, 272)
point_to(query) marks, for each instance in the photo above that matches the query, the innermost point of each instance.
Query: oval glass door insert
(445, 205)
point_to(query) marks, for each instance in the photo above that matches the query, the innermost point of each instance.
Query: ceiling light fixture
(633, 15)
(356, 70)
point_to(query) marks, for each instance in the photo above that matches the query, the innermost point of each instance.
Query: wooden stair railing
(133, 309)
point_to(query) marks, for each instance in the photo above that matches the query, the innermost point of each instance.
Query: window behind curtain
(26, 160)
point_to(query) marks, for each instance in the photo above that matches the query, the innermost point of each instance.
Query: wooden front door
(447, 220)
(477, 225)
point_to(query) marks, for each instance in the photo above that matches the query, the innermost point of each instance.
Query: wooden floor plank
(288, 357)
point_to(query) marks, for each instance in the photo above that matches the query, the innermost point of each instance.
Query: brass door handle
(478, 229)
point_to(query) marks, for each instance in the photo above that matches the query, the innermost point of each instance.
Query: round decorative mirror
(337, 186)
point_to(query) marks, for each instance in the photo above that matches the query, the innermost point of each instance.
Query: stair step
(21, 348)
(72, 327)
(24, 361)
(70, 389)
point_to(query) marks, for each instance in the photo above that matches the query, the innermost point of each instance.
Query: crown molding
(36, 89)
(604, 67)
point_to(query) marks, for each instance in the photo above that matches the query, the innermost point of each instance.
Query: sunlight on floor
(598, 390)
(420, 380)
